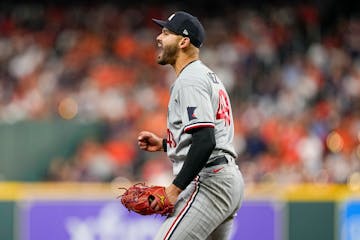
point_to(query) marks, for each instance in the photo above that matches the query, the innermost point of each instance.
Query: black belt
(217, 161)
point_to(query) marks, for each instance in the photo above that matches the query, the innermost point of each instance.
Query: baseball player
(208, 187)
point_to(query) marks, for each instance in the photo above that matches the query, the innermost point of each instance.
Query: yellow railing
(12, 191)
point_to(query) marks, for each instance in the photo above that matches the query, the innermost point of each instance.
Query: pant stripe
(183, 211)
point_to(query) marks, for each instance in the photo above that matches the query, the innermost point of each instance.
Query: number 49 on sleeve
(223, 111)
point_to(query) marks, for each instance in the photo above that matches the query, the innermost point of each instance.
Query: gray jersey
(198, 99)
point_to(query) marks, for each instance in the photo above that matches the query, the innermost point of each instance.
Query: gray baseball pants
(205, 210)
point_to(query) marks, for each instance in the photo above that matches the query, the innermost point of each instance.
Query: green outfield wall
(7, 220)
(311, 220)
(26, 148)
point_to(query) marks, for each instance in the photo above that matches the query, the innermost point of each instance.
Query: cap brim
(161, 23)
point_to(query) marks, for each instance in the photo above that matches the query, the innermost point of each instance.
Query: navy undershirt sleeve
(203, 143)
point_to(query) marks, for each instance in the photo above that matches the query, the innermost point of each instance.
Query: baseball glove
(138, 198)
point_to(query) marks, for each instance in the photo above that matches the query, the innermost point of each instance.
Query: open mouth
(159, 50)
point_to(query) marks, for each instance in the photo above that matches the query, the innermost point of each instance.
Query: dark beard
(169, 55)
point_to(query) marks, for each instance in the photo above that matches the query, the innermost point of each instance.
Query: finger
(154, 204)
(144, 135)
(142, 145)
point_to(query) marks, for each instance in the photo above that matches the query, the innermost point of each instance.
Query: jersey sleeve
(196, 108)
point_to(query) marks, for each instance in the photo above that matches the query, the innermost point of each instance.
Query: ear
(184, 42)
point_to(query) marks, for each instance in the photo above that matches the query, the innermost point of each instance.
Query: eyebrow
(166, 30)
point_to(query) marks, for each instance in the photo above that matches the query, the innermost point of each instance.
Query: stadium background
(78, 81)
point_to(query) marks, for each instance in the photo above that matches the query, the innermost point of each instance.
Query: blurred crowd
(293, 78)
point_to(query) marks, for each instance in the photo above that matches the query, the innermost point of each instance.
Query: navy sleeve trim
(196, 125)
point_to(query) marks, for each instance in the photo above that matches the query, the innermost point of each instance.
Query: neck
(183, 61)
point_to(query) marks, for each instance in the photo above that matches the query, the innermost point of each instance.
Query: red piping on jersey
(198, 125)
(183, 211)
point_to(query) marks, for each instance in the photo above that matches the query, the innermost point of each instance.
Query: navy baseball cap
(184, 24)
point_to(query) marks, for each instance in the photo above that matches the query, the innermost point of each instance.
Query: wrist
(174, 189)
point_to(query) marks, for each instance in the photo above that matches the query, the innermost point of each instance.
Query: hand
(172, 193)
(150, 142)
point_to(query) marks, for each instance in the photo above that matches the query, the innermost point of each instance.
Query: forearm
(203, 143)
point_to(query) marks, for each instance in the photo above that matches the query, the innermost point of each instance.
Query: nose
(158, 38)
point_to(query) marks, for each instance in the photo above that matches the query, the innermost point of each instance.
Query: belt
(217, 161)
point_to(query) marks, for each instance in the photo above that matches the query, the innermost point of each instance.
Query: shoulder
(195, 75)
